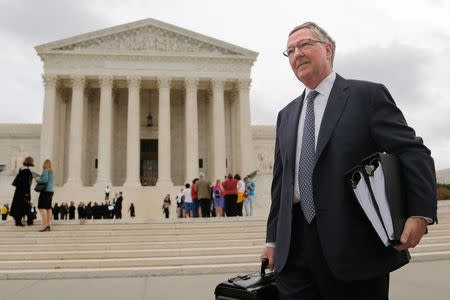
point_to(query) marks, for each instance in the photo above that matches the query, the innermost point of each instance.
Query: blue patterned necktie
(306, 162)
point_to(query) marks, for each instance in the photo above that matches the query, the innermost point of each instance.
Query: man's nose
(297, 54)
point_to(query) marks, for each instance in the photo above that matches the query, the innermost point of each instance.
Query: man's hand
(269, 253)
(413, 232)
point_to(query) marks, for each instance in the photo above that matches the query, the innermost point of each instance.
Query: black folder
(376, 183)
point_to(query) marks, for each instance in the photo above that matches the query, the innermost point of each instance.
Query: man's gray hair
(320, 34)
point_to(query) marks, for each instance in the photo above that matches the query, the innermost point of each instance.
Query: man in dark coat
(118, 207)
(22, 196)
(89, 211)
(72, 211)
(318, 240)
(55, 211)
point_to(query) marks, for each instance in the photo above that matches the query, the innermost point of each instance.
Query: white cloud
(403, 45)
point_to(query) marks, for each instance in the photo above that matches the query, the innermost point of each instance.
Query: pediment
(146, 36)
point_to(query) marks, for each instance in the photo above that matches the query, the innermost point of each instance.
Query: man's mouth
(301, 64)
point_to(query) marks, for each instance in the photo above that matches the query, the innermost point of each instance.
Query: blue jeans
(248, 205)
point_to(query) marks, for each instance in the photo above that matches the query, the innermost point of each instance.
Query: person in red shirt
(230, 193)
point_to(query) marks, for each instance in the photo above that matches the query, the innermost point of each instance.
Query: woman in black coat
(22, 196)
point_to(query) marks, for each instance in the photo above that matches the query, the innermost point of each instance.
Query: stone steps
(431, 247)
(164, 252)
(129, 232)
(147, 253)
(128, 239)
(117, 225)
(130, 246)
(430, 256)
(125, 262)
(110, 248)
(233, 268)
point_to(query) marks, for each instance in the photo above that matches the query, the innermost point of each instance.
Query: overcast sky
(403, 44)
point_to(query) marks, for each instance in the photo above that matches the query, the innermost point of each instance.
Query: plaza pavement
(416, 281)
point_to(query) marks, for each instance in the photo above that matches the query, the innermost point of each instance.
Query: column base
(102, 184)
(132, 183)
(73, 184)
(164, 182)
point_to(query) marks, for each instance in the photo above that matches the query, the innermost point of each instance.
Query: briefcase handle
(264, 265)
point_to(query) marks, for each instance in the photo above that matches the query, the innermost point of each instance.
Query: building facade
(144, 107)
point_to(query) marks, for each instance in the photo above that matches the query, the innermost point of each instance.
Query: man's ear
(329, 49)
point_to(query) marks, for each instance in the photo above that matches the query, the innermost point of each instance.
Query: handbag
(40, 187)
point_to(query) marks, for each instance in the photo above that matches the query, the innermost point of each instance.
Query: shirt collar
(324, 88)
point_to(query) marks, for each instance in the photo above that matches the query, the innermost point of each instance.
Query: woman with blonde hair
(45, 197)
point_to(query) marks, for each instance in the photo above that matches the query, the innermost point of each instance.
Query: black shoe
(45, 229)
(20, 224)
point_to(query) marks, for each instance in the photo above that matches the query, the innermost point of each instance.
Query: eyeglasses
(301, 45)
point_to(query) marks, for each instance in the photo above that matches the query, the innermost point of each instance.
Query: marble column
(164, 152)
(76, 131)
(244, 129)
(191, 126)
(47, 149)
(218, 134)
(133, 133)
(105, 132)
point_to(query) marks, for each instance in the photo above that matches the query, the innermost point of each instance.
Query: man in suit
(318, 239)
(118, 206)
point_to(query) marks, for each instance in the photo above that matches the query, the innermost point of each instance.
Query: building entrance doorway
(149, 162)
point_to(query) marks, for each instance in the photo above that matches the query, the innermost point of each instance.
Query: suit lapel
(292, 130)
(333, 111)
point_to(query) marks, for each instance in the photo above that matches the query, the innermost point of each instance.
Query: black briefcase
(254, 286)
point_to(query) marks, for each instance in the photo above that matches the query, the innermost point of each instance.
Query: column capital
(191, 83)
(217, 83)
(134, 82)
(106, 81)
(50, 80)
(243, 83)
(78, 81)
(163, 82)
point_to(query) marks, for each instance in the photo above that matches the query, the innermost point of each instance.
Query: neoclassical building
(145, 107)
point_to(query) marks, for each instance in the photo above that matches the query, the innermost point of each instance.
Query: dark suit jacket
(360, 118)
(118, 204)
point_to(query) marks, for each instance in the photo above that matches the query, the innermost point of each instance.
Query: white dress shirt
(320, 103)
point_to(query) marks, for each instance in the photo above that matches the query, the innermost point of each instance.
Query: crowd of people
(63, 211)
(21, 205)
(227, 198)
(104, 210)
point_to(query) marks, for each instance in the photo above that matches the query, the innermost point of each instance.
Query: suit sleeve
(272, 221)
(392, 135)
